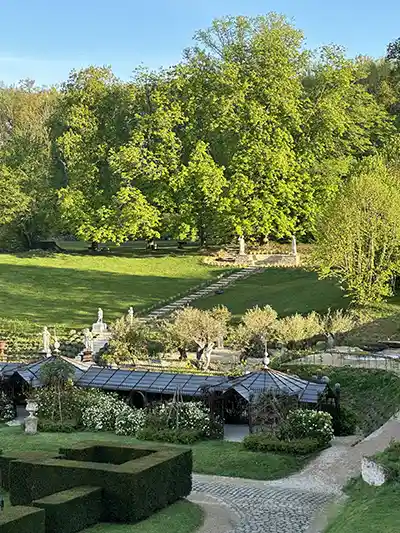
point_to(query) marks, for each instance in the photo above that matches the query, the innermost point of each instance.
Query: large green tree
(28, 200)
(97, 116)
(358, 238)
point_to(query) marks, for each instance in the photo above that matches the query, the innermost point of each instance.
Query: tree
(28, 202)
(56, 375)
(258, 323)
(129, 341)
(96, 118)
(199, 193)
(202, 328)
(358, 239)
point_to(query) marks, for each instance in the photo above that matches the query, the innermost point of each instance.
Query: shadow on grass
(70, 296)
(287, 290)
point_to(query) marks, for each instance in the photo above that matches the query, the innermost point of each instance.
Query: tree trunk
(182, 354)
(207, 354)
(199, 353)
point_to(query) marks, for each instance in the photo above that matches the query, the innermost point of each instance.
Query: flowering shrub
(7, 411)
(180, 415)
(102, 411)
(130, 421)
(69, 404)
(304, 423)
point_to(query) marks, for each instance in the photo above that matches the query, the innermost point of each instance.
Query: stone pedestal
(31, 423)
(87, 356)
(99, 327)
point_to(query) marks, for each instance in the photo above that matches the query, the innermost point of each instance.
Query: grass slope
(68, 289)
(374, 395)
(212, 457)
(288, 290)
(369, 510)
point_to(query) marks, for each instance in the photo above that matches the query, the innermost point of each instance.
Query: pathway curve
(292, 504)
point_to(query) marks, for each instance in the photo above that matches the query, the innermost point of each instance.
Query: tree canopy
(251, 134)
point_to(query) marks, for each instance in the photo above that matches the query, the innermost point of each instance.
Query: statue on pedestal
(46, 342)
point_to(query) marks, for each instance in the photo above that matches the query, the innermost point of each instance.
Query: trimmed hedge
(104, 454)
(264, 442)
(72, 510)
(132, 491)
(177, 436)
(22, 520)
(52, 426)
(6, 459)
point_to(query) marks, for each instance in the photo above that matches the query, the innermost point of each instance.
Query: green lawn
(67, 289)
(212, 457)
(369, 510)
(180, 517)
(287, 290)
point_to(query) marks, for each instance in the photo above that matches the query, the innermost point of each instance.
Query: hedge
(72, 510)
(104, 454)
(132, 491)
(178, 436)
(264, 442)
(6, 459)
(22, 520)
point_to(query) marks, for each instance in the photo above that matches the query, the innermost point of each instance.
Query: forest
(251, 134)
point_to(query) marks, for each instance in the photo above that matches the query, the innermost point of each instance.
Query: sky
(44, 40)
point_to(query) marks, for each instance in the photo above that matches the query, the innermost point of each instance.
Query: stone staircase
(221, 284)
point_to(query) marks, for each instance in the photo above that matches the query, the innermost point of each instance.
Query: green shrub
(132, 491)
(51, 426)
(304, 424)
(268, 442)
(72, 510)
(129, 421)
(178, 436)
(344, 421)
(185, 416)
(5, 460)
(22, 520)
(72, 400)
(7, 411)
(101, 411)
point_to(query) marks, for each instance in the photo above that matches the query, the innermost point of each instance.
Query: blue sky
(44, 39)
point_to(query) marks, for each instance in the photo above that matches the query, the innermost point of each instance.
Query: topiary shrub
(304, 423)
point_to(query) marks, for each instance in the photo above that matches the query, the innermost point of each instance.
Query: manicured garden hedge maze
(89, 483)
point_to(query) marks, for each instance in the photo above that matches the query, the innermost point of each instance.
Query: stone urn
(31, 421)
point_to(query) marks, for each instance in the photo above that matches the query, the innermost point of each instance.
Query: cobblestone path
(258, 507)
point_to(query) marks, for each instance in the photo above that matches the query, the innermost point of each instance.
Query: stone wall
(269, 259)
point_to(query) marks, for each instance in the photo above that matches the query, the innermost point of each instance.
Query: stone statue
(46, 341)
(131, 314)
(99, 326)
(294, 246)
(242, 246)
(88, 340)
